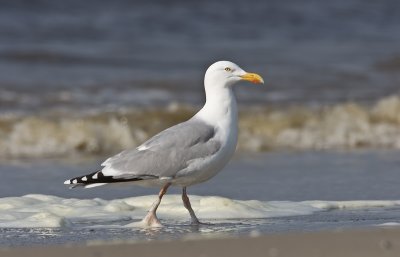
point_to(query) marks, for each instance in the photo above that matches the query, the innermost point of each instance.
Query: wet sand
(374, 243)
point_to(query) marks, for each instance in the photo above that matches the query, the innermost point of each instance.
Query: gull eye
(228, 69)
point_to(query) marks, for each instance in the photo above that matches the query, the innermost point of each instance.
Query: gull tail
(97, 178)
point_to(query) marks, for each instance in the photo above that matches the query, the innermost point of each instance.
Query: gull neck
(220, 105)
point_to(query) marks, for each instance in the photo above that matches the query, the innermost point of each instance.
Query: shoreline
(367, 243)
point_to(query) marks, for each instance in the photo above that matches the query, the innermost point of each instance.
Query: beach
(366, 243)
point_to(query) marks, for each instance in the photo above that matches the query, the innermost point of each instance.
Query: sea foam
(51, 211)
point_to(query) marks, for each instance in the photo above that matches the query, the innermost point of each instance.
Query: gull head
(226, 74)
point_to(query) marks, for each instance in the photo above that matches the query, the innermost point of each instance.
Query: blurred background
(88, 54)
(86, 79)
(69, 66)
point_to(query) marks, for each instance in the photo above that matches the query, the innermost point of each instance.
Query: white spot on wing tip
(74, 181)
(95, 176)
(84, 178)
(67, 182)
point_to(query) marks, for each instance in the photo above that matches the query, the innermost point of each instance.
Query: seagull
(188, 153)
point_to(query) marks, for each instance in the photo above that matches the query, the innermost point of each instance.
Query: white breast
(221, 113)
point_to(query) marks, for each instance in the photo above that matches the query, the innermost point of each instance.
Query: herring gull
(185, 154)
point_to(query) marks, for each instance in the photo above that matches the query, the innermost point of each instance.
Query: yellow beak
(253, 78)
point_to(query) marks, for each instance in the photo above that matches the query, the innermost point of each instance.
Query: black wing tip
(98, 177)
(82, 180)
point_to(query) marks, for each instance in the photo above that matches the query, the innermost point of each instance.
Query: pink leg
(188, 206)
(151, 219)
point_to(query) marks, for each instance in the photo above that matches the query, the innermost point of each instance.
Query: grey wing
(166, 153)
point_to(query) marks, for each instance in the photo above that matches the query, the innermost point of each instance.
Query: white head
(226, 74)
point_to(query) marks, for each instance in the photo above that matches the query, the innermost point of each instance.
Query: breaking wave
(341, 126)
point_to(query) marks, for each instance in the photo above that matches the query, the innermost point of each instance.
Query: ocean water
(108, 54)
(255, 194)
